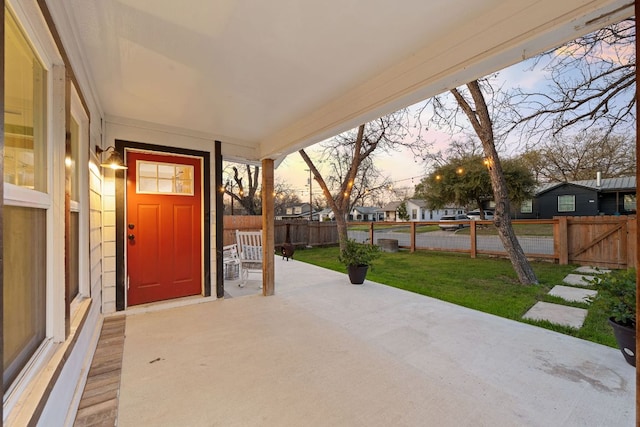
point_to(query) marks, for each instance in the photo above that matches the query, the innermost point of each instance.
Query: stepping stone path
(569, 291)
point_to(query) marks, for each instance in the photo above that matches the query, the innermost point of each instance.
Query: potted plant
(617, 297)
(357, 257)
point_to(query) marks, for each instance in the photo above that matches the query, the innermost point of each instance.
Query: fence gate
(601, 241)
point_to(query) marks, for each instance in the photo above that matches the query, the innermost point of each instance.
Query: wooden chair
(250, 253)
(231, 262)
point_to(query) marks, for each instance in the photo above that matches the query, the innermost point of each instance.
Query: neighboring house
(608, 196)
(391, 211)
(296, 212)
(418, 210)
(323, 215)
(366, 213)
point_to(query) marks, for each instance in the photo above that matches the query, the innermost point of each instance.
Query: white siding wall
(109, 242)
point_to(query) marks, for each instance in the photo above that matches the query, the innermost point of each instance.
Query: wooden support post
(268, 229)
(371, 233)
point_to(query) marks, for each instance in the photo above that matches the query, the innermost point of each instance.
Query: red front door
(163, 225)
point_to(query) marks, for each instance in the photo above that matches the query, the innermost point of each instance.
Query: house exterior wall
(419, 213)
(546, 205)
(50, 386)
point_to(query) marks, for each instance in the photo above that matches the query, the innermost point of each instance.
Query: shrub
(358, 253)
(617, 295)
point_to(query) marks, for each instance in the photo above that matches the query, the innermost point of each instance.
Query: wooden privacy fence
(600, 241)
(301, 232)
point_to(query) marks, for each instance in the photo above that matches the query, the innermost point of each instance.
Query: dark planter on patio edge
(626, 338)
(357, 273)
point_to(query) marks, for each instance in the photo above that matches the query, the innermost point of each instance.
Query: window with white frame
(166, 178)
(567, 203)
(526, 206)
(76, 161)
(630, 202)
(414, 213)
(26, 202)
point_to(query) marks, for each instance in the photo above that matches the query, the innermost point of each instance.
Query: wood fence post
(371, 233)
(413, 236)
(632, 248)
(561, 237)
(474, 239)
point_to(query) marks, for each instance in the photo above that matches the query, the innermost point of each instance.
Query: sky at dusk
(401, 167)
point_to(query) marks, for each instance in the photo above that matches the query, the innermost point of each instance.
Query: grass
(485, 284)
(519, 229)
(481, 230)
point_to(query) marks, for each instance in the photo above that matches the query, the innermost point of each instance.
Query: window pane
(566, 203)
(630, 202)
(166, 172)
(24, 113)
(183, 186)
(147, 169)
(24, 317)
(165, 185)
(148, 185)
(74, 255)
(74, 129)
(527, 206)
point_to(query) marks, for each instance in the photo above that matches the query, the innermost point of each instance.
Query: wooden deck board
(99, 403)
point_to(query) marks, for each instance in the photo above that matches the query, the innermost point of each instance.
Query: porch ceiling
(270, 77)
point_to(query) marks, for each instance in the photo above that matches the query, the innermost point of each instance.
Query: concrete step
(578, 279)
(558, 314)
(592, 270)
(569, 293)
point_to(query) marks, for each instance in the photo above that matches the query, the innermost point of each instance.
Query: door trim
(121, 145)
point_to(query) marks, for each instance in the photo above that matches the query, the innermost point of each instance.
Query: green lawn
(519, 229)
(485, 284)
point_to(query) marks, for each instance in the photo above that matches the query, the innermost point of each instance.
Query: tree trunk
(481, 122)
(341, 223)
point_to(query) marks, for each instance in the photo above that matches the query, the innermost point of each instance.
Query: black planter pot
(357, 273)
(626, 338)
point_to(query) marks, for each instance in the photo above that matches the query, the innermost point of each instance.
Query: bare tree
(484, 118)
(351, 155)
(582, 157)
(243, 187)
(592, 85)
(284, 196)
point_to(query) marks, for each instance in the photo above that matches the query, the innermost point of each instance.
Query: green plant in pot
(357, 257)
(617, 298)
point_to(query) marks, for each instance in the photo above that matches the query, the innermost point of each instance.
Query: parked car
(475, 215)
(453, 222)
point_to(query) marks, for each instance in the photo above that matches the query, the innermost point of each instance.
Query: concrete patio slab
(592, 270)
(558, 314)
(568, 293)
(323, 352)
(578, 279)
